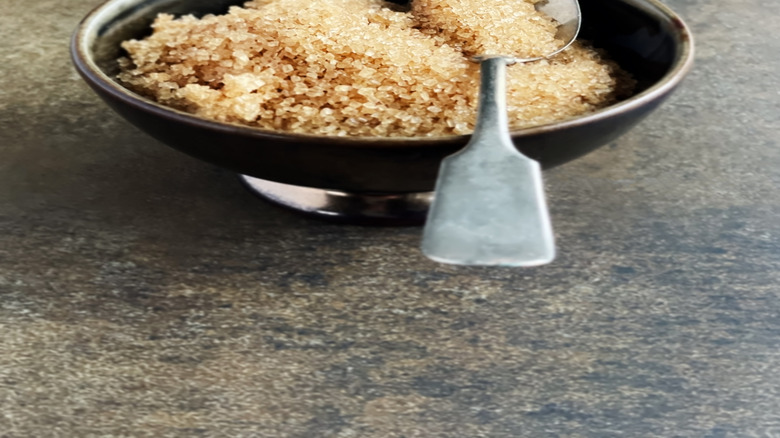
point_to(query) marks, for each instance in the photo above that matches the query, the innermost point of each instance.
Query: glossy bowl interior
(643, 36)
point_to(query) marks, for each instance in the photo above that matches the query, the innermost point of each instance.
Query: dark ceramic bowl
(643, 36)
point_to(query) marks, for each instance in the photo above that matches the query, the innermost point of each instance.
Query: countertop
(144, 293)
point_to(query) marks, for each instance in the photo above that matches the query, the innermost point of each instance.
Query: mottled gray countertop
(147, 294)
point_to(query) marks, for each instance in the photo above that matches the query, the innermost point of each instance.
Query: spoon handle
(489, 206)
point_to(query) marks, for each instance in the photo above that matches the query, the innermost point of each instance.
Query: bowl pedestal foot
(334, 205)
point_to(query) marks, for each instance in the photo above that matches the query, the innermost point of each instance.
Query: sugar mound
(365, 67)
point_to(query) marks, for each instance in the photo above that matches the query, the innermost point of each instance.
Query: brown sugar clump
(360, 67)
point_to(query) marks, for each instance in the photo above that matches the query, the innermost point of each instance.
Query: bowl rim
(86, 66)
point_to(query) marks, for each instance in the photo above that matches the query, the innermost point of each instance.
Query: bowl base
(339, 206)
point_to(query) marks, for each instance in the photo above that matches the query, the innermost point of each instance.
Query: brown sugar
(364, 67)
(492, 27)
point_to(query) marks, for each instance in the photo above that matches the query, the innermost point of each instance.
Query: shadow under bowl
(384, 178)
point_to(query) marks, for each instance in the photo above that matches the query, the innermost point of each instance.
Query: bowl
(378, 180)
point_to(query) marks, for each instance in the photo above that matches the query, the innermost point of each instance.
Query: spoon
(489, 206)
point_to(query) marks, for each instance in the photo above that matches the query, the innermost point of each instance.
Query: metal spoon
(489, 206)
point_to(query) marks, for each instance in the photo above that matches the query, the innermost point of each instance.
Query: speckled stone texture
(147, 294)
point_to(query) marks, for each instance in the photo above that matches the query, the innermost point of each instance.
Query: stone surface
(147, 294)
